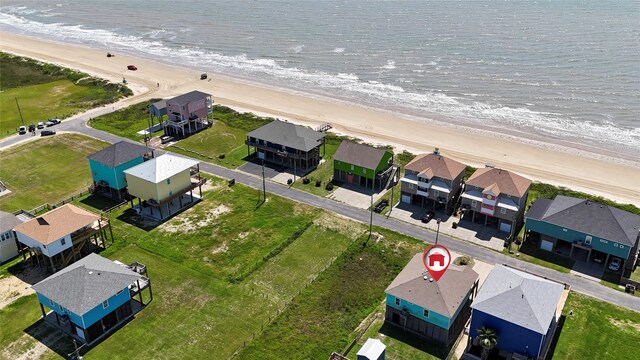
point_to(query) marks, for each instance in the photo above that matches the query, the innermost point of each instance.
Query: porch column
(606, 261)
(571, 252)
(42, 309)
(473, 216)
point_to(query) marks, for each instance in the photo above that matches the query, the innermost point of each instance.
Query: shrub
(289, 181)
(329, 186)
(221, 156)
(464, 260)
(318, 183)
(306, 180)
(454, 225)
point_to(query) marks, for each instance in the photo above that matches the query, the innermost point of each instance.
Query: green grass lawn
(226, 136)
(126, 122)
(324, 172)
(323, 317)
(597, 330)
(47, 91)
(46, 170)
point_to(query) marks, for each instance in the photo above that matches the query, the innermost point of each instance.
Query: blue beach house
(92, 296)
(431, 309)
(523, 310)
(108, 166)
(585, 230)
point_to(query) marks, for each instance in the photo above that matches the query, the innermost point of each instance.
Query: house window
(397, 301)
(169, 181)
(351, 167)
(105, 304)
(565, 230)
(587, 239)
(63, 241)
(364, 171)
(503, 211)
(410, 186)
(2, 237)
(52, 303)
(425, 313)
(616, 244)
(436, 193)
(474, 203)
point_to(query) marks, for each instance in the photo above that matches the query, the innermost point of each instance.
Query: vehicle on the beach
(22, 130)
(110, 54)
(132, 67)
(427, 216)
(40, 125)
(47, 132)
(52, 122)
(615, 263)
(203, 76)
(32, 127)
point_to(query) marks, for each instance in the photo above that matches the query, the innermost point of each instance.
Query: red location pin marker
(436, 259)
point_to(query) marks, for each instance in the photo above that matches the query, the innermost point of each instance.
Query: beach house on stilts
(188, 113)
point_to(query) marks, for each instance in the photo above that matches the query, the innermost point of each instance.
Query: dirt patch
(339, 224)
(190, 221)
(220, 249)
(624, 323)
(210, 186)
(14, 287)
(27, 348)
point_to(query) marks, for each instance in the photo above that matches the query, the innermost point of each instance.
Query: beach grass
(47, 91)
(127, 122)
(46, 170)
(596, 330)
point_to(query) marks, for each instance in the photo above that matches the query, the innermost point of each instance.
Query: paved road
(589, 287)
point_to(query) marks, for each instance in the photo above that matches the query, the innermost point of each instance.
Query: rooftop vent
(425, 277)
(430, 279)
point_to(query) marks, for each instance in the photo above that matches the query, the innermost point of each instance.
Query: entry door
(406, 199)
(349, 179)
(260, 155)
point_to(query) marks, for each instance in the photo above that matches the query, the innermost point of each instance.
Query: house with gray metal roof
(436, 310)
(108, 166)
(591, 230)
(92, 296)
(8, 243)
(287, 144)
(363, 165)
(523, 310)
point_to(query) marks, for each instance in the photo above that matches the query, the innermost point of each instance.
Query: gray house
(287, 144)
(497, 196)
(592, 231)
(431, 179)
(523, 310)
(8, 242)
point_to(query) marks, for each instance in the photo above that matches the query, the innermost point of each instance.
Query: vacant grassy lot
(597, 330)
(47, 91)
(324, 172)
(323, 317)
(46, 170)
(126, 122)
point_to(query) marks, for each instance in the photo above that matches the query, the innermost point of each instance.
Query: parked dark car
(132, 67)
(380, 206)
(203, 76)
(47, 132)
(427, 216)
(32, 127)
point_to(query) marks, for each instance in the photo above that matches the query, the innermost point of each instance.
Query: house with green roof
(363, 165)
(590, 230)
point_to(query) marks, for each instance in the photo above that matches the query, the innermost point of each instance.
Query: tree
(488, 340)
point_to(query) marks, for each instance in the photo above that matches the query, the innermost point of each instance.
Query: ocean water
(566, 71)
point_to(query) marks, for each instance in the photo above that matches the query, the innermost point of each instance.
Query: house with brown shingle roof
(363, 165)
(431, 179)
(431, 309)
(496, 196)
(62, 235)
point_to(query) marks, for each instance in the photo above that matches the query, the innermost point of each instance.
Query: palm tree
(488, 340)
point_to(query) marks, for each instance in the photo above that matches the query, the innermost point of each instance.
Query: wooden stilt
(42, 309)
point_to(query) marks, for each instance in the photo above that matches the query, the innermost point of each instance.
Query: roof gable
(288, 134)
(443, 296)
(57, 223)
(588, 217)
(161, 168)
(189, 97)
(507, 182)
(8, 221)
(119, 153)
(86, 283)
(438, 165)
(361, 155)
(519, 298)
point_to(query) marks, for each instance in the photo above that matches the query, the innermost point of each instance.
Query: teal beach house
(363, 165)
(108, 166)
(92, 296)
(435, 310)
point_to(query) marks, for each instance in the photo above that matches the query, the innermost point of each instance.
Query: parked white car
(615, 264)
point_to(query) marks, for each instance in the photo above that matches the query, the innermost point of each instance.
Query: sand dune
(601, 174)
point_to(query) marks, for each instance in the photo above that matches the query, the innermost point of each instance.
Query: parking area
(355, 195)
(588, 270)
(466, 230)
(254, 167)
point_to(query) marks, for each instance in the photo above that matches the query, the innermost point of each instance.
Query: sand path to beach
(600, 174)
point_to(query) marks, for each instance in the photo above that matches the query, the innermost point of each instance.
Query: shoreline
(551, 162)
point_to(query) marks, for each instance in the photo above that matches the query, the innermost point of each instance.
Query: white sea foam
(338, 50)
(345, 85)
(296, 49)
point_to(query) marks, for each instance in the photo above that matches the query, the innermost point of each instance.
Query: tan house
(496, 196)
(164, 185)
(62, 235)
(431, 179)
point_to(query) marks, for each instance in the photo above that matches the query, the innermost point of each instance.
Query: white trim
(470, 196)
(441, 189)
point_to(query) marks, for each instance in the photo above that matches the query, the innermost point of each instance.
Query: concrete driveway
(355, 196)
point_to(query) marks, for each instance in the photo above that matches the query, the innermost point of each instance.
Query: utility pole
(264, 183)
(371, 221)
(391, 204)
(438, 231)
(19, 112)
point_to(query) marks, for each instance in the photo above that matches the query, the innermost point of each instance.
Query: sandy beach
(600, 174)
